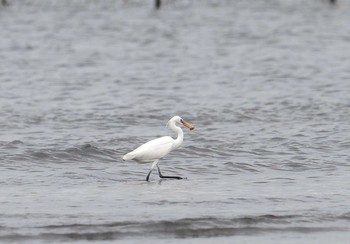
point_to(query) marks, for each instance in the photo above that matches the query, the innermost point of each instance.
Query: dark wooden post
(4, 2)
(158, 4)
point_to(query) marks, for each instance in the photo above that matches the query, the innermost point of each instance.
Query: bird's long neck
(180, 135)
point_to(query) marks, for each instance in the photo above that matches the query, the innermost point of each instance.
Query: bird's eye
(181, 121)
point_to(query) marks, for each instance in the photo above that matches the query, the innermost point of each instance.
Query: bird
(154, 150)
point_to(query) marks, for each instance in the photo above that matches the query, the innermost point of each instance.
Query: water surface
(266, 83)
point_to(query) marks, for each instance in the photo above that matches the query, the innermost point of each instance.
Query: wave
(81, 153)
(182, 228)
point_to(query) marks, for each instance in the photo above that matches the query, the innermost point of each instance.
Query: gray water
(266, 83)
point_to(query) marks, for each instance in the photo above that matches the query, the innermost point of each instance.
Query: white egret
(156, 149)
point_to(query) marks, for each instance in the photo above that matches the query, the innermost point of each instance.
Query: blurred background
(265, 82)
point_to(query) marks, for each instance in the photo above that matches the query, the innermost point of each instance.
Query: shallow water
(266, 83)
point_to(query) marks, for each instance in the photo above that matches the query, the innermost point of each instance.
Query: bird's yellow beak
(188, 125)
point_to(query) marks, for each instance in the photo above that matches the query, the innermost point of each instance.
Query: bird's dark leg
(152, 167)
(149, 173)
(168, 177)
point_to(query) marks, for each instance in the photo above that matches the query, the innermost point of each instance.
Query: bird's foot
(170, 177)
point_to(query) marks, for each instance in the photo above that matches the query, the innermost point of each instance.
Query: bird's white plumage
(156, 149)
(152, 150)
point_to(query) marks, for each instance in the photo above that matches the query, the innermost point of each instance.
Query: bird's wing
(152, 150)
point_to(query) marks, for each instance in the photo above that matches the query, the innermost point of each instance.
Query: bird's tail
(128, 156)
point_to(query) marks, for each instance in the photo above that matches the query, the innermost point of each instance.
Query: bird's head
(179, 120)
